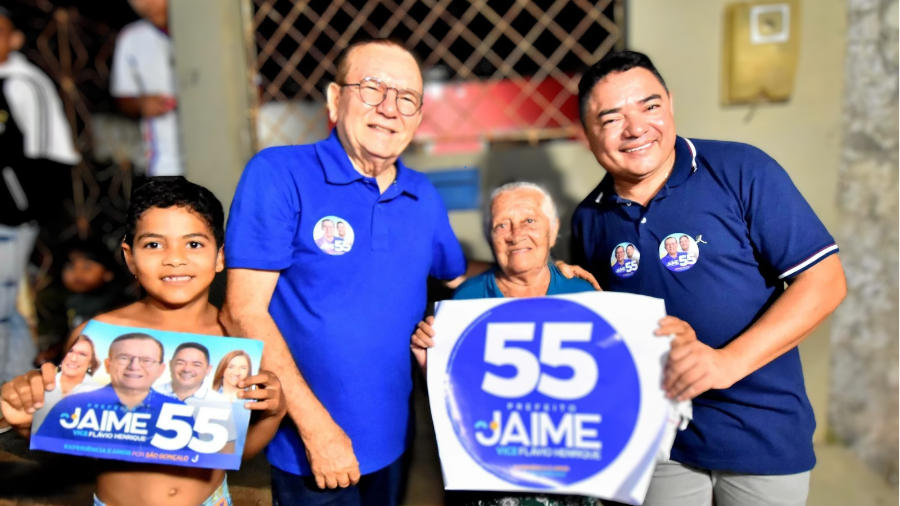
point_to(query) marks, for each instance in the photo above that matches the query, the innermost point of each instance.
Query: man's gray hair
(547, 205)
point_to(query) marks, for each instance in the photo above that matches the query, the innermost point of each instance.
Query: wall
(684, 40)
(864, 384)
(214, 97)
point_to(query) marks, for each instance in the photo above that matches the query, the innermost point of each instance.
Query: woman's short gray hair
(547, 205)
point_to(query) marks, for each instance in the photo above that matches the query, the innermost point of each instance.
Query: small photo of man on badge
(678, 252)
(333, 235)
(344, 240)
(624, 260)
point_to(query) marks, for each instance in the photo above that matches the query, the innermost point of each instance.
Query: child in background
(92, 287)
(173, 246)
(90, 276)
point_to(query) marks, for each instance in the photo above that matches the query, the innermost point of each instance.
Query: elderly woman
(521, 226)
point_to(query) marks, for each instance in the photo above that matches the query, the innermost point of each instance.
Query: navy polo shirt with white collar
(736, 229)
(346, 313)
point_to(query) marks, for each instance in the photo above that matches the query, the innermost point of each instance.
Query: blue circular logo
(542, 392)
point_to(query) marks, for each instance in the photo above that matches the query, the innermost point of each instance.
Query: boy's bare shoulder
(128, 316)
(137, 315)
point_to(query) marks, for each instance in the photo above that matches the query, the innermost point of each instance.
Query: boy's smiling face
(174, 255)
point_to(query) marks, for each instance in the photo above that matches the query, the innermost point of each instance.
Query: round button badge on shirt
(625, 259)
(333, 235)
(679, 252)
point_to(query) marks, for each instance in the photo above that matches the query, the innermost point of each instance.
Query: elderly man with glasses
(336, 323)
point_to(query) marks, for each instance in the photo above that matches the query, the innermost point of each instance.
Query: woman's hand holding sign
(693, 367)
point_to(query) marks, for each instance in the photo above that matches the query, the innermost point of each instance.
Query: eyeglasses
(373, 91)
(126, 360)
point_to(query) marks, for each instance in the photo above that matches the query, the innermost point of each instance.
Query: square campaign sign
(559, 395)
(149, 396)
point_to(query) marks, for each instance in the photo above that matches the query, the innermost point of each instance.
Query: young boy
(173, 246)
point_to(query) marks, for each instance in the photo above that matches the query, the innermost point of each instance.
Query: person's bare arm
(694, 367)
(572, 271)
(246, 314)
(473, 268)
(147, 106)
(129, 106)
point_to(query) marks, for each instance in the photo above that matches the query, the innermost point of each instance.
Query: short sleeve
(264, 217)
(448, 261)
(123, 79)
(783, 228)
(29, 112)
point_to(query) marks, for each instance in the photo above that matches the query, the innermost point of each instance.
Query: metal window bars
(495, 69)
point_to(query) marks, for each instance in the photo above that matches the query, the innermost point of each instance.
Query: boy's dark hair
(196, 346)
(621, 61)
(167, 191)
(137, 336)
(92, 249)
(6, 12)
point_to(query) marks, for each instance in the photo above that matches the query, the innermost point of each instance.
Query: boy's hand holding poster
(555, 394)
(149, 396)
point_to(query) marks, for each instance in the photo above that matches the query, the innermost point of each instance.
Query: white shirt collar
(199, 394)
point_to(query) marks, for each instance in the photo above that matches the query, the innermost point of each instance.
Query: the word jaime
(130, 423)
(574, 430)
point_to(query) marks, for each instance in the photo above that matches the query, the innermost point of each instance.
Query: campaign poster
(149, 396)
(557, 394)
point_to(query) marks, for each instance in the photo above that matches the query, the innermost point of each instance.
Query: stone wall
(864, 388)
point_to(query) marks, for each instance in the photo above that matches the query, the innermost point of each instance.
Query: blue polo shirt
(104, 399)
(750, 231)
(346, 318)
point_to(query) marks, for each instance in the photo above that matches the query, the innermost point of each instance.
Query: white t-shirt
(144, 64)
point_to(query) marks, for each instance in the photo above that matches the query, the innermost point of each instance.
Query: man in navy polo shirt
(337, 326)
(736, 326)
